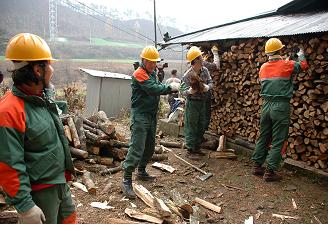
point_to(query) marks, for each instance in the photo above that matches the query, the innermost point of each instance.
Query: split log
(144, 194)
(163, 167)
(208, 205)
(141, 216)
(229, 155)
(73, 131)
(78, 153)
(96, 168)
(161, 207)
(88, 182)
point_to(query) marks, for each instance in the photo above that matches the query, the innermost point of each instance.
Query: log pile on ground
(94, 140)
(236, 111)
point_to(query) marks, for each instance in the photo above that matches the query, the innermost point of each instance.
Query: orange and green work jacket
(146, 90)
(33, 148)
(276, 77)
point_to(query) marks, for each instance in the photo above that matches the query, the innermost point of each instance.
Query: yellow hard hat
(273, 45)
(193, 53)
(150, 53)
(28, 47)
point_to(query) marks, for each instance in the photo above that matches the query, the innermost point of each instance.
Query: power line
(73, 6)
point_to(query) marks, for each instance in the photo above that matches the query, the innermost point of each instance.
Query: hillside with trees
(77, 31)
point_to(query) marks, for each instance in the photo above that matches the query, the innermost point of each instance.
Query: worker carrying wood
(196, 83)
(146, 91)
(35, 162)
(276, 77)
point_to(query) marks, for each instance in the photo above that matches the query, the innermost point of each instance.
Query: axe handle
(195, 167)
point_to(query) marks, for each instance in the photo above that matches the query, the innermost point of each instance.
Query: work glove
(191, 91)
(32, 216)
(216, 59)
(175, 86)
(206, 88)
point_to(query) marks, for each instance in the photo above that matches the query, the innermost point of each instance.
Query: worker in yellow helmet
(276, 77)
(146, 91)
(35, 161)
(197, 83)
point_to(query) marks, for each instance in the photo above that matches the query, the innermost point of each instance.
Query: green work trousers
(56, 203)
(195, 121)
(274, 126)
(141, 147)
(208, 113)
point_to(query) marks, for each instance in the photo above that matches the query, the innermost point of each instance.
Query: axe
(203, 177)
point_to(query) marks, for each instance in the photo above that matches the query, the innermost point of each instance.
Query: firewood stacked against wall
(95, 140)
(236, 111)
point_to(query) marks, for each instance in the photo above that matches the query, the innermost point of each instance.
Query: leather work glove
(32, 216)
(191, 91)
(175, 86)
(216, 59)
(206, 88)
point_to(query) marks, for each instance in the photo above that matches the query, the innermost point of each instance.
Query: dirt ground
(255, 197)
(252, 196)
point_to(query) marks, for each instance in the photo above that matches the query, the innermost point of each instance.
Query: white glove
(32, 216)
(300, 53)
(175, 86)
(206, 88)
(191, 91)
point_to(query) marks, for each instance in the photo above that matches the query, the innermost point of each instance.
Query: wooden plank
(208, 205)
(141, 216)
(229, 155)
(163, 167)
(303, 165)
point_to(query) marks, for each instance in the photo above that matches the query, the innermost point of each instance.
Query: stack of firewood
(94, 139)
(236, 111)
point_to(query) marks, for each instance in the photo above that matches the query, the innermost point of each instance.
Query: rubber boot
(127, 189)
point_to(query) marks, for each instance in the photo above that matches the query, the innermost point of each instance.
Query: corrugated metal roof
(97, 73)
(270, 26)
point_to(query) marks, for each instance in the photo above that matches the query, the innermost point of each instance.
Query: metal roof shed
(107, 91)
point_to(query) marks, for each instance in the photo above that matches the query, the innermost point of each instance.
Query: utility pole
(155, 23)
(53, 20)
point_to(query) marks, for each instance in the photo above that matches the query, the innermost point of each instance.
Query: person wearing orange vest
(146, 91)
(35, 161)
(276, 77)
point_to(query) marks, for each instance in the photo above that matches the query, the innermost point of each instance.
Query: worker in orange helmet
(276, 77)
(146, 91)
(35, 161)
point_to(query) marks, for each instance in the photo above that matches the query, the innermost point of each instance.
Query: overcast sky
(191, 15)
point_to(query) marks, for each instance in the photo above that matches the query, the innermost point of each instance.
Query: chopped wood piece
(172, 144)
(163, 167)
(283, 217)
(143, 194)
(161, 207)
(141, 216)
(67, 133)
(88, 182)
(208, 205)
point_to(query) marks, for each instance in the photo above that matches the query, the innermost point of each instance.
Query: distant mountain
(32, 16)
